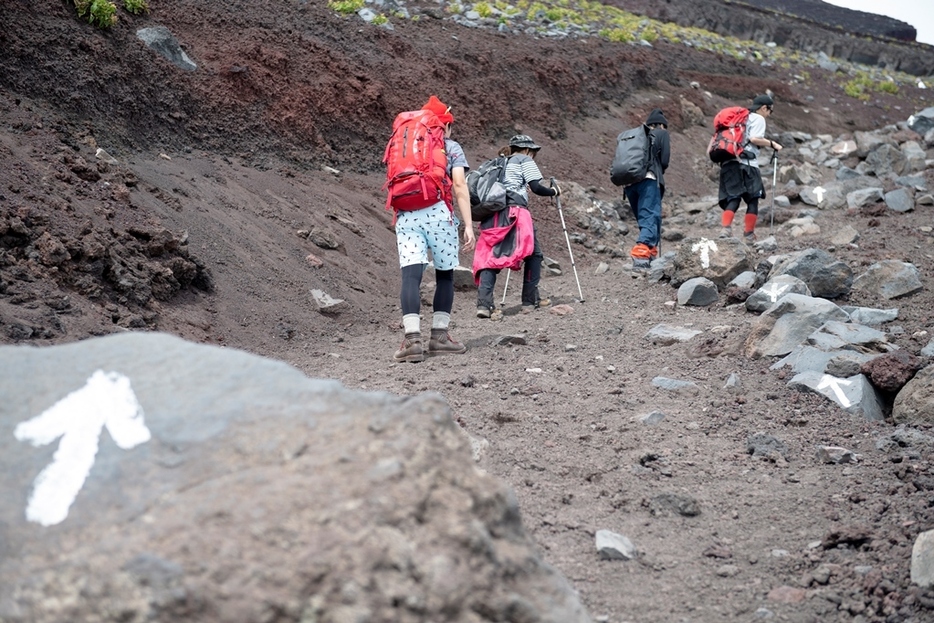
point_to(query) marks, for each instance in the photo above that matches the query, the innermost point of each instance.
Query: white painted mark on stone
(704, 247)
(776, 290)
(834, 384)
(819, 191)
(105, 400)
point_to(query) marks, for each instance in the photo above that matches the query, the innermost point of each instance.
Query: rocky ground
(238, 188)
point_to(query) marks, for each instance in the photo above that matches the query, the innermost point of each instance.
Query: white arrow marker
(819, 191)
(834, 383)
(105, 400)
(704, 246)
(775, 290)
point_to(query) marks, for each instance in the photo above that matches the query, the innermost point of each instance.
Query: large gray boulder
(886, 159)
(788, 323)
(824, 274)
(719, 260)
(890, 279)
(149, 479)
(923, 121)
(914, 404)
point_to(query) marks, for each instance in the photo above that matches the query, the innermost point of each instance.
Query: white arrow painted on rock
(775, 290)
(834, 384)
(105, 400)
(704, 246)
(819, 191)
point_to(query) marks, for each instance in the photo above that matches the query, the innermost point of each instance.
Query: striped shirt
(520, 170)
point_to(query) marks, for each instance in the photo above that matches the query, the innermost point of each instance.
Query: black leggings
(751, 208)
(411, 282)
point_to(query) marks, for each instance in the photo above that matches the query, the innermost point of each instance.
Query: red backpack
(416, 162)
(729, 139)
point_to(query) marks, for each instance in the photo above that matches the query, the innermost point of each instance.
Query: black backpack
(487, 189)
(631, 161)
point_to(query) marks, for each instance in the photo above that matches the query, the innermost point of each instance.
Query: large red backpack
(416, 162)
(729, 139)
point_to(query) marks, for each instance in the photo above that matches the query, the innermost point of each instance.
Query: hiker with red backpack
(512, 228)
(740, 178)
(426, 177)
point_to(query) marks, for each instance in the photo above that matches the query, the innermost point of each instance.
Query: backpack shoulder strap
(502, 172)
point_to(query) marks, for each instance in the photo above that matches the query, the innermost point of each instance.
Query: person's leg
(441, 341)
(485, 291)
(532, 274)
(726, 220)
(752, 179)
(411, 349)
(443, 300)
(650, 207)
(732, 189)
(641, 252)
(412, 246)
(752, 215)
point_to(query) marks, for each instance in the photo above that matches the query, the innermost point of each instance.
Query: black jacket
(661, 153)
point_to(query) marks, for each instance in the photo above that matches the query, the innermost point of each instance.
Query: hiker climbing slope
(645, 195)
(423, 204)
(740, 178)
(521, 175)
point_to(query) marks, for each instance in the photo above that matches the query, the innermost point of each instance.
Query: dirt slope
(194, 231)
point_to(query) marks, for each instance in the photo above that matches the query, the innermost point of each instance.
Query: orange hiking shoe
(641, 251)
(653, 252)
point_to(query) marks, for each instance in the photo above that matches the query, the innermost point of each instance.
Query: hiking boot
(749, 237)
(641, 252)
(653, 253)
(411, 349)
(528, 308)
(441, 343)
(639, 264)
(726, 232)
(483, 312)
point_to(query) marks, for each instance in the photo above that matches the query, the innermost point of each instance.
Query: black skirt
(741, 181)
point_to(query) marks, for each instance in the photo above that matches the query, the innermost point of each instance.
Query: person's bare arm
(462, 202)
(761, 141)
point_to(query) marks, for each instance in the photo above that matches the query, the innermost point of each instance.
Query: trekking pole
(568, 240)
(774, 177)
(505, 287)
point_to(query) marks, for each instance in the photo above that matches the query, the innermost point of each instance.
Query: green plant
(649, 34)
(136, 7)
(379, 20)
(535, 11)
(345, 6)
(101, 13)
(859, 86)
(618, 35)
(887, 87)
(483, 8)
(554, 15)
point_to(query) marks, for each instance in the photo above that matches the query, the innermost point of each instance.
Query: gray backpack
(631, 161)
(486, 188)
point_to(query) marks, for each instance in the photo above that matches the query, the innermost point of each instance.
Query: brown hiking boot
(411, 349)
(441, 343)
